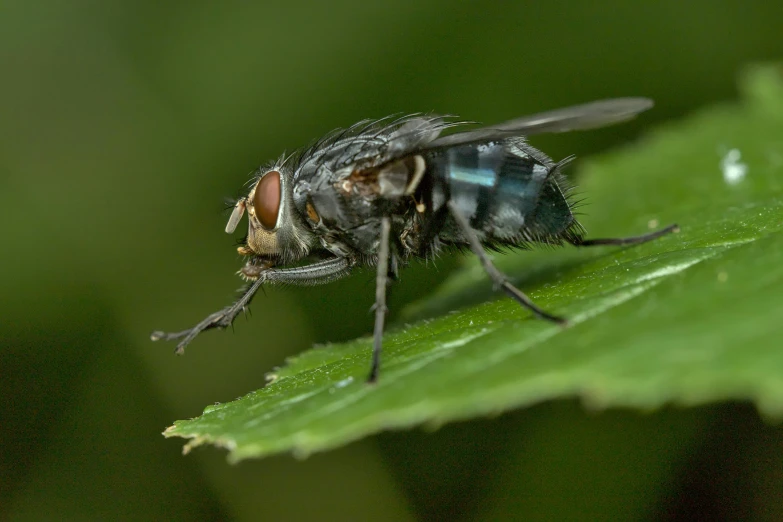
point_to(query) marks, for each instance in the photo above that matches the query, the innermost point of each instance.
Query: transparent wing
(577, 117)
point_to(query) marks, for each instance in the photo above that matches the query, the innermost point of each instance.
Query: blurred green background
(124, 127)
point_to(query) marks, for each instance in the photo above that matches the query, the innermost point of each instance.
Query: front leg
(317, 273)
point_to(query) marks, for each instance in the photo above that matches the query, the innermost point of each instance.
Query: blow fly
(384, 192)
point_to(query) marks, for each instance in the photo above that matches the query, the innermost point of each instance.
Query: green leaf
(691, 318)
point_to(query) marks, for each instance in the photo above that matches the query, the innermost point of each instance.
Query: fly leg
(314, 274)
(381, 280)
(431, 229)
(220, 319)
(499, 279)
(634, 240)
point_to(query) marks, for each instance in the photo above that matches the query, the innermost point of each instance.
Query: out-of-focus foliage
(124, 125)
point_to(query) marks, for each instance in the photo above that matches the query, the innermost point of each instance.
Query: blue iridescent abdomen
(507, 194)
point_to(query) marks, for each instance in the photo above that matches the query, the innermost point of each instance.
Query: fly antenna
(236, 215)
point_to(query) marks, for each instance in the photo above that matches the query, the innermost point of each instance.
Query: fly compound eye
(266, 200)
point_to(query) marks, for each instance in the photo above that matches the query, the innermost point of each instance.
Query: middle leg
(498, 278)
(381, 281)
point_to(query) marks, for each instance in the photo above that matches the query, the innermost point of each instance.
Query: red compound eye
(266, 200)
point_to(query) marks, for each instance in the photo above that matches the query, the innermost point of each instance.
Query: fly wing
(577, 117)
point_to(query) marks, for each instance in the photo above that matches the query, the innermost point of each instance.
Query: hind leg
(634, 240)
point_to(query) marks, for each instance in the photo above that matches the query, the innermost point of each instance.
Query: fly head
(276, 234)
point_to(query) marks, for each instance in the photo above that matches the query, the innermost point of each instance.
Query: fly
(384, 192)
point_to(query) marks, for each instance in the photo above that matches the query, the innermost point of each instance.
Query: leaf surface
(691, 318)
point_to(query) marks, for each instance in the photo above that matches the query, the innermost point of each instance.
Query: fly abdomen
(506, 189)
